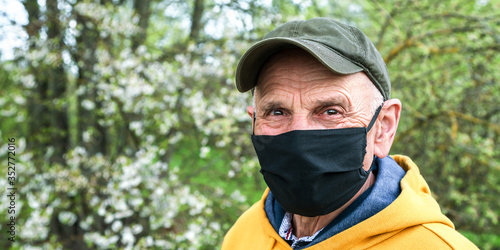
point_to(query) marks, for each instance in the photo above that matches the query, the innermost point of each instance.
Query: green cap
(341, 48)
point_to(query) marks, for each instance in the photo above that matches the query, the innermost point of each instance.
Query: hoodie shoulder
(423, 206)
(426, 236)
(453, 238)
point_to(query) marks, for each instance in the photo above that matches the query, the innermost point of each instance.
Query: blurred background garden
(130, 132)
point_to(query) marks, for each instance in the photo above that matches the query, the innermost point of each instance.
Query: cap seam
(296, 29)
(333, 50)
(351, 30)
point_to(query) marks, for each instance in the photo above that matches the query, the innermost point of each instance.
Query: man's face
(296, 92)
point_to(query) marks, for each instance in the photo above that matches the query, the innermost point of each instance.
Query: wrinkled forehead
(289, 58)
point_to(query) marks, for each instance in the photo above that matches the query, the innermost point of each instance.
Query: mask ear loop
(373, 119)
(367, 130)
(253, 124)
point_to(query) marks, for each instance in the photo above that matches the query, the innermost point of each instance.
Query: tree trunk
(142, 8)
(199, 6)
(48, 123)
(91, 135)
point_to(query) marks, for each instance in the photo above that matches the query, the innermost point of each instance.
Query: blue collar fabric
(385, 190)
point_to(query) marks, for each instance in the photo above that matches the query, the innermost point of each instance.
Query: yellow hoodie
(412, 221)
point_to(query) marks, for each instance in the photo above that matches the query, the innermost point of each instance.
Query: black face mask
(314, 172)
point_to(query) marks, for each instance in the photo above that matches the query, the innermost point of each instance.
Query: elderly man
(323, 125)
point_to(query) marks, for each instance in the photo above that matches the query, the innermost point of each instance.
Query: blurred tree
(131, 132)
(48, 127)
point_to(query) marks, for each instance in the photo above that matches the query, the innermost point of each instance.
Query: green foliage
(131, 133)
(487, 240)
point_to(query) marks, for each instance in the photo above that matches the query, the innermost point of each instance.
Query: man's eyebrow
(331, 102)
(272, 105)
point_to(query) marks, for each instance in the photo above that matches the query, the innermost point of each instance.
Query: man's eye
(277, 112)
(331, 112)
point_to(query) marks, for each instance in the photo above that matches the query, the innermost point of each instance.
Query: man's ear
(388, 124)
(250, 112)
